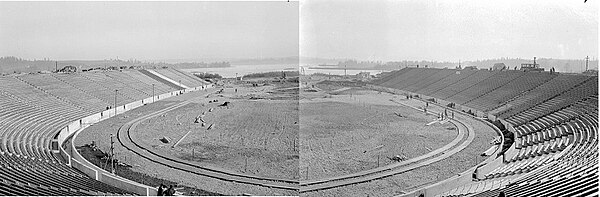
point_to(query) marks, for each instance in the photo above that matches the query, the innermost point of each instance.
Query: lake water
(230, 72)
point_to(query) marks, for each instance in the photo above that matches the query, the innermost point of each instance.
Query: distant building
(470, 68)
(590, 72)
(531, 67)
(364, 75)
(499, 66)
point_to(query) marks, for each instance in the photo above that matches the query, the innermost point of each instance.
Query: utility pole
(587, 58)
(153, 93)
(345, 67)
(56, 66)
(116, 101)
(378, 155)
(246, 165)
(307, 172)
(112, 154)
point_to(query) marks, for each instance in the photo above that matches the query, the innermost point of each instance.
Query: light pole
(116, 101)
(153, 93)
(112, 154)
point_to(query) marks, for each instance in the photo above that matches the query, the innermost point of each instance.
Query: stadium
(299, 98)
(477, 133)
(525, 133)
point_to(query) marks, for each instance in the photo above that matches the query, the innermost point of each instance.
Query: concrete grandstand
(547, 125)
(41, 112)
(549, 122)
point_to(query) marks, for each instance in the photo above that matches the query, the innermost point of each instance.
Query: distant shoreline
(338, 68)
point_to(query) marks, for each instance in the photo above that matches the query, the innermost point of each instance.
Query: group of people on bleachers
(163, 191)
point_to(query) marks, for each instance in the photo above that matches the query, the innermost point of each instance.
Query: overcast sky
(365, 30)
(148, 30)
(449, 30)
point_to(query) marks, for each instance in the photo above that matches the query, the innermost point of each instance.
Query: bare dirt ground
(340, 138)
(397, 184)
(426, 175)
(250, 136)
(100, 134)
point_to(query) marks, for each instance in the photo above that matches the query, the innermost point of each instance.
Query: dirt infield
(100, 134)
(423, 176)
(254, 137)
(340, 138)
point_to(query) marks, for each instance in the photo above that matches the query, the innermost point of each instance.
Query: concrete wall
(149, 100)
(75, 160)
(511, 152)
(489, 167)
(74, 126)
(452, 182)
(65, 155)
(133, 105)
(107, 114)
(94, 118)
(166, 95)
(126, 184)
(86, 170)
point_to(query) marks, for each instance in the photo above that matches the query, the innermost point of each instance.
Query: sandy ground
(251, 136)
(423, 176)
(100, 134)
(353, 148)
(342, 136)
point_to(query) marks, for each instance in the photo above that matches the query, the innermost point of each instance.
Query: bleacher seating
(190, 77)
(442, 74)
(158, 87)
(464, 84)
(448, 81)
(557, 85)
(126, 92)
(495, 80)
(555, 121)
(95, 89)
(519, 85)
(46, 175)
(34, 107)
(56, 87)
(386, 76)
(413, 82)
(401, 77)
(575, 172)
(588, 88)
